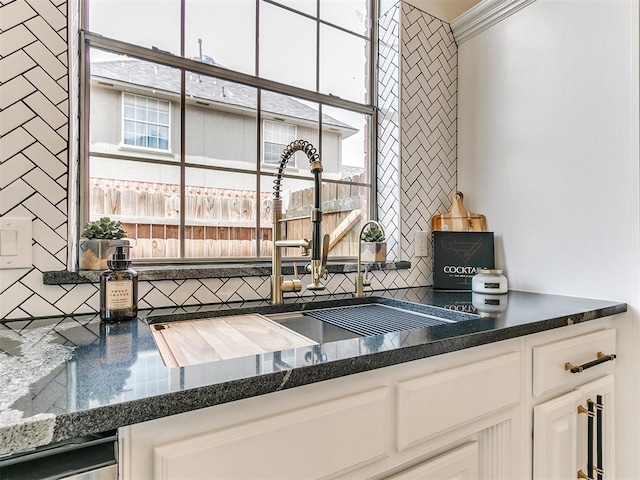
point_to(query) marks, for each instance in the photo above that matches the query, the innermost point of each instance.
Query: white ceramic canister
(489, 281)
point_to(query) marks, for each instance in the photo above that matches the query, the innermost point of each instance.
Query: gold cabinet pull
(581, 409)
(601, 358)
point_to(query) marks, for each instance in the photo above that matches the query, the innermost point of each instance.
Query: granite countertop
(72, 376)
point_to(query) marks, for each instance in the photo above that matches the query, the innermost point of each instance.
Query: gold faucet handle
(294, 285)
(304, 249)
(365, 281)
(324, 273)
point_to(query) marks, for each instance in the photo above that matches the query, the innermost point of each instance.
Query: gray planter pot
(374, 252)
(94, 253)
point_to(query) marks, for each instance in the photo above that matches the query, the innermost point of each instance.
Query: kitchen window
(187, 116)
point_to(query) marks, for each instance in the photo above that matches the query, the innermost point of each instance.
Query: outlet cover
(15, 243)
(421, 244)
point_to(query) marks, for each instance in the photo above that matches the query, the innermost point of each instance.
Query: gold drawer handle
(602, 358)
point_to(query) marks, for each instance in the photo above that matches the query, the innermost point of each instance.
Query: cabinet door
(560, 440)
(458, 464)
(555, 426)
(600, 391)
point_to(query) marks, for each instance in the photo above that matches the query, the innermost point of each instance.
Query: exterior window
(188, 113)
(145, 122)
(276, 137)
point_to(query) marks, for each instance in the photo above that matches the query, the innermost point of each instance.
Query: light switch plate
(422, 244)
(15, 248)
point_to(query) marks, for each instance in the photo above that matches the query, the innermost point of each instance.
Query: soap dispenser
(119, 289)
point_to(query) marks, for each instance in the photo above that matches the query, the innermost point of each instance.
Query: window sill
(184, 272)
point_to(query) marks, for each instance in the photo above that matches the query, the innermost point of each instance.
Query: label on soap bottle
(119, 294)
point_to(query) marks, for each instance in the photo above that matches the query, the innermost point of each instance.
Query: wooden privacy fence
(222, 222)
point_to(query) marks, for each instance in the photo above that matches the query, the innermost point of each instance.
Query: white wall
(548, 151)
(547, 144)
(446, 10)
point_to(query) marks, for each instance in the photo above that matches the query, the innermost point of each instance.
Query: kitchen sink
(313, 328)
(251, 332)
(340, 323)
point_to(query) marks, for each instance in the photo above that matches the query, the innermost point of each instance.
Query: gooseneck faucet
(362, 281)
(319, 246)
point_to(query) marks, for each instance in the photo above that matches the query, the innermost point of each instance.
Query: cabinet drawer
(313, 442)
(549, 360)
(434, 403)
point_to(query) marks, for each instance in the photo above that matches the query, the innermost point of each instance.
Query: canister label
(491, 285)
(119, 294)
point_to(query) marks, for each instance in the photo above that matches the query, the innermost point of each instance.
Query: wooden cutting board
(191, 342)
(459, 219)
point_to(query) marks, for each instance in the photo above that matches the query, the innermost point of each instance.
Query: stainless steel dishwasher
(92, 457)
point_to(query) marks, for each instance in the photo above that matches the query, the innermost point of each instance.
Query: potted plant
(98, 242)
(374, 246)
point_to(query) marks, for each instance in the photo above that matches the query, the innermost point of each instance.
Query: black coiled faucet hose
(316, 168)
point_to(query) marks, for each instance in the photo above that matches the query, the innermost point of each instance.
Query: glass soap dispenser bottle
(119, 289)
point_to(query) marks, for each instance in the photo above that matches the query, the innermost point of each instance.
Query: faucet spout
(318, 246)
(360, 280)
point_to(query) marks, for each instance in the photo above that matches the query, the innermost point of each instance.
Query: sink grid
(369, 320)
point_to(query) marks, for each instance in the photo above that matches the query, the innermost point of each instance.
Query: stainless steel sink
(317, 330)
(339, 323)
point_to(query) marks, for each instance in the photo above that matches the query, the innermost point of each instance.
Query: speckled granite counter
(66, 377)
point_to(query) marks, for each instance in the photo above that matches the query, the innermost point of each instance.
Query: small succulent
(104, 229)
(373, 234)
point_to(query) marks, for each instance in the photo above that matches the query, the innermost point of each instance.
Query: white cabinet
(602, 392)
(459, 464)
(574, 430)
(452, 397)
(503, 411)
(555, 439)
(552, 362)
(311, 442)
(562, 440)
(431, 418)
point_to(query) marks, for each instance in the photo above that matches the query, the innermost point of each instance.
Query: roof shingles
(202, 87)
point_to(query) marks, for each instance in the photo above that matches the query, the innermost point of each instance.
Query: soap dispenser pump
(119, 288)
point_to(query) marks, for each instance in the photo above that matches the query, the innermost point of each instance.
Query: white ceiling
(446, 10)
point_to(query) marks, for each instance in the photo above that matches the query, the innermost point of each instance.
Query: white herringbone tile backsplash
(416, 171)
(428, 111)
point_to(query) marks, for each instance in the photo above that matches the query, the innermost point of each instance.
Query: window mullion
(373, 100)
(183, 193)
(259, 146)
(183, 137)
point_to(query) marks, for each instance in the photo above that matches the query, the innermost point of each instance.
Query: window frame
(90, 40)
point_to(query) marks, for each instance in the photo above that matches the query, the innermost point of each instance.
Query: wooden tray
(459, 219)
(191, 342)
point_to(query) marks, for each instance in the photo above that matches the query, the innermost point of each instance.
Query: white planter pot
(94, 253)
(374, 252)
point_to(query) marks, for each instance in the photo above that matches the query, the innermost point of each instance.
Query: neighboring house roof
(160, 77)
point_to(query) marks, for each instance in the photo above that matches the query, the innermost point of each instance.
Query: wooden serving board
(191, 342)
(459, 219)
